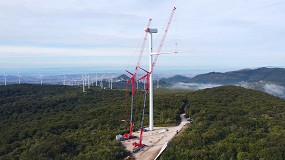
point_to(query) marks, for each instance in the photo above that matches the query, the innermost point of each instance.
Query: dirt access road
(154, 140)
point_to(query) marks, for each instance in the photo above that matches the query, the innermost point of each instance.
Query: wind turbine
(85, 80)
(92, 81)
(96, 80)
(152, 63)
(83, 83)
(112, 82)
(101, 83)
(88, 81)
(5, 79)
(109, 82)
(19, 76)
(41, 78)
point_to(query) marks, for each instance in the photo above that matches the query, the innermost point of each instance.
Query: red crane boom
(163, 38)
(133, 75)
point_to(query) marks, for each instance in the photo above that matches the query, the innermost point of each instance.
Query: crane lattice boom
(163, 38)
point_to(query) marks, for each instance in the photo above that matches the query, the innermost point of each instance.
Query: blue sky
(97, 33)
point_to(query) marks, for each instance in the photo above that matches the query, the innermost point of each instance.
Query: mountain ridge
(276, 75)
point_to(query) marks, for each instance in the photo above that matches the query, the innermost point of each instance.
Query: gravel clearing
(154, 140)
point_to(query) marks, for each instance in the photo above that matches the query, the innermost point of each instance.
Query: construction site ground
(154, 140)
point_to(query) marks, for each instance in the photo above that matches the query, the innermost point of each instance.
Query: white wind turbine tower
(109, 82)
(91, 80)
(41, 78)
(112, 82)
(85, 80)
(101, 82)
(152, 64)
(88, 81)
(5, 79)
(96, 80)
(83, 83)
(19, 76)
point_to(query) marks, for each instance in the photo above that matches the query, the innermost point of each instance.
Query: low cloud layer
(193, 86)
(273, 89)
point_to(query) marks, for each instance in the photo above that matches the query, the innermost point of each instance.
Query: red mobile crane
(133, 79)
(146, 77)
(140, 144)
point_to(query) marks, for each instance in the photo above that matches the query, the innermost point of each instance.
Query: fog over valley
(273, 89)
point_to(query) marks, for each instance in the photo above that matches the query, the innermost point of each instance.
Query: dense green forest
(62, 122)
(231, 123)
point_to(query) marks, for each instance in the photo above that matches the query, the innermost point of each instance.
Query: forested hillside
(61, 122)
(275, 75)
(231, 123)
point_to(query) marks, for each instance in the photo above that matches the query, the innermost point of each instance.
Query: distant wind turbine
(5, 78)
(96, 80)
(85, 80)
(112, 82)
(109, 82)
(83, 83)
(88, 81)
(101, 83)
(41, 78)
(19, 76)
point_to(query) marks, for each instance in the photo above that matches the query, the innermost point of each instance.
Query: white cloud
(193, 86)
(41, 51)
(267, 87)
(215, 32)
(275, 90)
